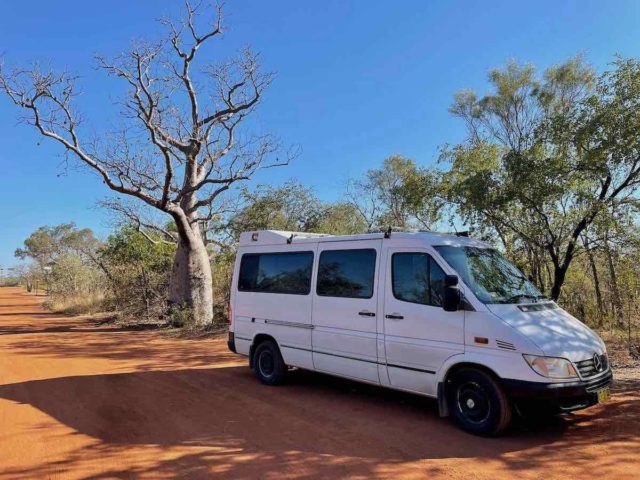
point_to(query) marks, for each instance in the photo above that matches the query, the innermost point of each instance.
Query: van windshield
(490, 275)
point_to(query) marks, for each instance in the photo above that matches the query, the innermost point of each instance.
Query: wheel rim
(473, 402)
(266, 363)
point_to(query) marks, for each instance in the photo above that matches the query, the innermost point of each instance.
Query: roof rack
(279, 237)
(464, 233)
(390, 229)
(271, 237)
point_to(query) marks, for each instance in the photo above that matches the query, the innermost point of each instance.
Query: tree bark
(540, 266)
(191, 279)
(596, 283)
(559, 275)
(615, 290)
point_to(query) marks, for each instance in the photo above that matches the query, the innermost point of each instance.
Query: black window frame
(373, 275)
(308, 290)
(393, 287)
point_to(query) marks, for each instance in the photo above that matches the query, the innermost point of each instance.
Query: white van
(438, 315)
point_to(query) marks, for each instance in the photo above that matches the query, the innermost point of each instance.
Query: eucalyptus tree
(179, 149)
(546, 155)
(295, 207)
(398, 194)
(46, 244)
(291, 206)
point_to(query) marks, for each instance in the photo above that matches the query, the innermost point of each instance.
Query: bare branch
(131, 215)
(180, 147)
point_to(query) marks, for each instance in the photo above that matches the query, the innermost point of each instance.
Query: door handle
(367, 313)
(394, 316)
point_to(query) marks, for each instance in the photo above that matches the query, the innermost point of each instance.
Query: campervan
(439, 315)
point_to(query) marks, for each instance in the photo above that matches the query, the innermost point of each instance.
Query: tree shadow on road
(139, 348)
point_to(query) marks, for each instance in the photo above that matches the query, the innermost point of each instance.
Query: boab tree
(179, 148)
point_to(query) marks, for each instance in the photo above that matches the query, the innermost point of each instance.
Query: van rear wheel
(268, 364)
(477, 403)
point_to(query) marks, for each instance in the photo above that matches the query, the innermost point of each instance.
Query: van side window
(417, 278)
(276, 273)
(346, 273)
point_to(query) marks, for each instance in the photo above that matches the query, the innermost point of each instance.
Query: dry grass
(622, 353)
(77, 304)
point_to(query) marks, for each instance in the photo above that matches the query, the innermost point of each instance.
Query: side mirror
(451, 300)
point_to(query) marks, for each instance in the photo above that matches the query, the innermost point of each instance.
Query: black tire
(477, 403)
(268, 364)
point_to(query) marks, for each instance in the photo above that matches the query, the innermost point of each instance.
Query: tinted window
(276, 272)
(346, 273)
(417, 278)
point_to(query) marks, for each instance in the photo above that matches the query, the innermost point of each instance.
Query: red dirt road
(79, 400)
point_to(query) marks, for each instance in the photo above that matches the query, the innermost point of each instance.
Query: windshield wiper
(520, 296)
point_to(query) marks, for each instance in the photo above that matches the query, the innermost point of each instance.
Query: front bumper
(560, 397)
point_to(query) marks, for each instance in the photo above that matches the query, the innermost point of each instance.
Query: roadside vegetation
(548, 171)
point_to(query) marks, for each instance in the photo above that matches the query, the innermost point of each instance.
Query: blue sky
(356, 81)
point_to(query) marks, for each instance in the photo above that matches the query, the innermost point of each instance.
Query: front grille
(587, 368)
(599, 383)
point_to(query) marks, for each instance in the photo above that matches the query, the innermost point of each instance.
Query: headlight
(551, 367)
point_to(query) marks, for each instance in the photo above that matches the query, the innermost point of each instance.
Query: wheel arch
(442, 388)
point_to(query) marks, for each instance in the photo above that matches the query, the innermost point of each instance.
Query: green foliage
(65, 263)
(547, 156)
(294, 207)
(291, 207)
(47, 243)
(223, 263)
(128, 246)
(399, 194)
(139, 272)
(74, 285)
(71, 276)
(340, 218)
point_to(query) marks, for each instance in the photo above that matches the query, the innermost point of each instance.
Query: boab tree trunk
(191, 283)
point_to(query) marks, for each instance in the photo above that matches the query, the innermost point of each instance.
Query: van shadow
(303, 423)
(228, 407)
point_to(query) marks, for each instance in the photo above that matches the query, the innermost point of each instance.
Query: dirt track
(83, 401)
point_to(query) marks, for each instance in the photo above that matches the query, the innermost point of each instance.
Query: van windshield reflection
(491, 277)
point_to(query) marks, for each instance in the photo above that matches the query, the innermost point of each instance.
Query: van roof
(279, 237)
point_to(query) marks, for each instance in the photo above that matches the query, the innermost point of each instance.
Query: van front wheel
(477, 403)
(268, 364)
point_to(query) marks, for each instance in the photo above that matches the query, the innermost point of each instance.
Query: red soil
(78, 400)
